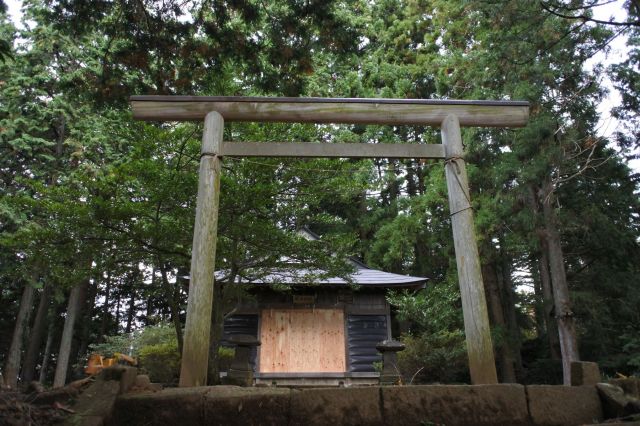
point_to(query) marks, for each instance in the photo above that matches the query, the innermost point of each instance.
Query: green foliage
(5, 39)
(87, 192)
(435, 347)
(626, 79)
(544, 370)
(161, 361)
(434, 309)
(631, 350)
(225, 357)
(121, 343)
(133, 343)
(155, 347)
(156, 335)
(434, 358)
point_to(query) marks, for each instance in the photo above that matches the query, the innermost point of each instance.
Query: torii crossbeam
(449, 115)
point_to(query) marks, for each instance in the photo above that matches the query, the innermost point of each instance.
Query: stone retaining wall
(505, 404)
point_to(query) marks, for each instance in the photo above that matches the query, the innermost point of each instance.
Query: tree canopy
(97, 203)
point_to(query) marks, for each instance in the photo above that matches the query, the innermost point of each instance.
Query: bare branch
(585, 18)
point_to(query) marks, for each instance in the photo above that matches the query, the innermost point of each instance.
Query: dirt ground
(21, 409)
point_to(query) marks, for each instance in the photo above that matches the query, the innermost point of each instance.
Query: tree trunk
(509, 308)
(73, 310)
(505, 360)
(393, 187)
(422, 187)
(421, 250)
(118, 313)
(547, 295)
(410, 178)
(12, 365)
(87, 315)
(47, 347)
(545, 280)
(538, 306)
(174, 304)
(37, 334)
(132, 305)
(562, 303)
(217, 319)
(362, 229)
(148, 316)
(105, 310)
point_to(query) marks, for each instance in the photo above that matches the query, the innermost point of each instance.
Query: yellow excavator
(97, 362)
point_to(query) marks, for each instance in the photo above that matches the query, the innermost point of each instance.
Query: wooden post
(195, 353)
(474, 306)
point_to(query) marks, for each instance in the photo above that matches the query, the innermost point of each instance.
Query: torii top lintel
(429, 112)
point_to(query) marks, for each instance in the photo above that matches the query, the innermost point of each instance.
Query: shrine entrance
(449, 115)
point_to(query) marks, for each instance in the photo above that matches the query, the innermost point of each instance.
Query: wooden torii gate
(449, 115)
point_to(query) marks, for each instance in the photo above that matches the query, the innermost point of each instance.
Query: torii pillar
(448, 114)
(195, 347)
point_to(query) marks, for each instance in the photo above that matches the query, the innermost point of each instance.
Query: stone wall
(505, 404)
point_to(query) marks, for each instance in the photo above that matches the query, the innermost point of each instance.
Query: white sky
(618, 51)
(14, 10)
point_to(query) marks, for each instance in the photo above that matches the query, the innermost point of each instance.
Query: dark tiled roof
(363, 275)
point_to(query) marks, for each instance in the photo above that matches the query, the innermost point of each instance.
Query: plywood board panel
(332, 337)
(302, 341)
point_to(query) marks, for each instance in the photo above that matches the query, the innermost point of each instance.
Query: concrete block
(174, 406)
(128, 378)
(453, 405)
(230, 405)
(114, 372)
(98, 399)
(564, 405)
(142, 381)
(585, 373)
(155, 387)
(345, 406)
(615, 402)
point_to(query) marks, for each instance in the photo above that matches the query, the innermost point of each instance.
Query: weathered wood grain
(302, 341)
(474, 306)
(195, 353)
(331, 150)
(332, 110)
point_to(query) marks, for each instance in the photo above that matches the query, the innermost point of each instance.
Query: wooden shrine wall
(302, 341)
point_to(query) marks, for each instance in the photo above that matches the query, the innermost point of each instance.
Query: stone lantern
(390, 373)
